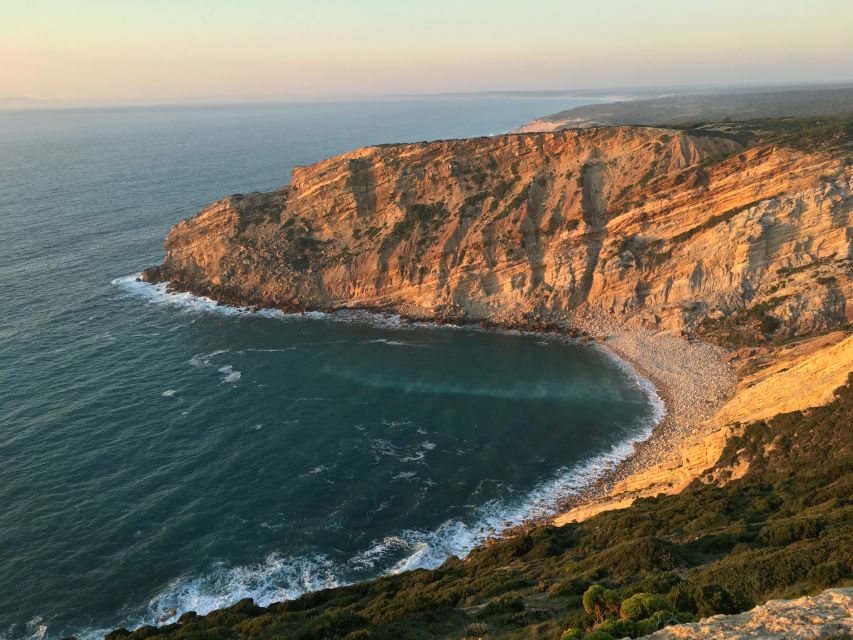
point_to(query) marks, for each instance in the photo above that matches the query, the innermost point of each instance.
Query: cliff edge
(703, 231)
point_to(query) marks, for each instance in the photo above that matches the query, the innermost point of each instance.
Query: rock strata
(650, 227)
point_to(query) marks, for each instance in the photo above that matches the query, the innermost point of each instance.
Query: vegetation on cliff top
(805, 134)
(783, 529)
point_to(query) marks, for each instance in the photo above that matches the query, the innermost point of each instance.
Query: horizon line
(609, 93)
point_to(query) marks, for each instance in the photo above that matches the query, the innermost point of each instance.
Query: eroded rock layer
(651, 226)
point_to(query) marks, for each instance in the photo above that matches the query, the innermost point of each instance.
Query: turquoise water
(159, 454)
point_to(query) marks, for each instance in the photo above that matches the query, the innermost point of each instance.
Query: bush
(645, 627)
(565, 588)
(505, 604)
(576, 620)
(617, 627)
(644, 605)
(477, 630)
(681, 596)
(598, 635)
(713, 599)
(826, 575)
(788, 531)
(599, 601)
(572, 634)
(640, 555)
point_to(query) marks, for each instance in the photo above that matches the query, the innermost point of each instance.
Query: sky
(135, 51)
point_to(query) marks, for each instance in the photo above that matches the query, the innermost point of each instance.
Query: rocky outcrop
(649, 226)
(825, 616)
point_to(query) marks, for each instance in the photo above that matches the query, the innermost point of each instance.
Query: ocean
(160, 453)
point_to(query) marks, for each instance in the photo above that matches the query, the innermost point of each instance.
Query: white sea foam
(169, 393)
(377, 552)
(394, 343)
(396, 423)
(158, 293)
(229, 374)
(385, 447)
(420, 453)
(188, 302)
(276, 578)
(37, 628)
(203, 359)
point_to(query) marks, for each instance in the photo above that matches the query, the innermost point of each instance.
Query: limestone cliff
(652, 226)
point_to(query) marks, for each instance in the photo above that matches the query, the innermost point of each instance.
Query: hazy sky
(166, 50)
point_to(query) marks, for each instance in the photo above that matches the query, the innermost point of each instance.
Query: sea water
(160, 453)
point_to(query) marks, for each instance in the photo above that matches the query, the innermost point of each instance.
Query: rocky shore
(692, 378)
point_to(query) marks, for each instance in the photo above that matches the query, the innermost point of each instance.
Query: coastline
(694, 381)
(534, 507)
(690, 378)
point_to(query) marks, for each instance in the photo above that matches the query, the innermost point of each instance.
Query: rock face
(651, 226)
(828, 615)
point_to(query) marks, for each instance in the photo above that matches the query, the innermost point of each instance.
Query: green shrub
(477, 630)
(645, 627)
(641, 555)
(617, 627)
(826, 574)
(661, 583)
(567, 588)
(681, 597)
(644, 605)
(506, 604)
(599, 601)
(598, 635)
(572, 634)
(788, 531)
(713, 599)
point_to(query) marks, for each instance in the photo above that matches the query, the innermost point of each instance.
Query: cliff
(656, 227)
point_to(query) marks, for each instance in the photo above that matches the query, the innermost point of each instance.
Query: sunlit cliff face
(651, 226)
